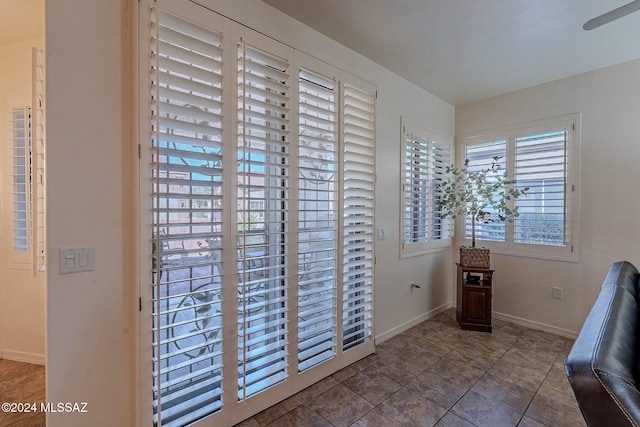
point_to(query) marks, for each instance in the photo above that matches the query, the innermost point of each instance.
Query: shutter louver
(358, 215)
(480, 157)
(263, 197)
(317, 219)
(540, 164)
(186, 67)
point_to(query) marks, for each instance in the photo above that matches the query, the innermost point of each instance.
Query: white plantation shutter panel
(263, 198)
(541, 165)
(317, 218)
(21, 178)
(425, 163)
(38, 143)
(186, 110)
(416, 187)
(358, 214)
(480, 157)
(441, 158)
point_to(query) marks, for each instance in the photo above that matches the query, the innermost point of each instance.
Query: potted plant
(486, 195)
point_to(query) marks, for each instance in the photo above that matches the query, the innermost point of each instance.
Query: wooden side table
(473, 305)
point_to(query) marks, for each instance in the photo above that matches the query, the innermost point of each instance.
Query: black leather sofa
(603, 365)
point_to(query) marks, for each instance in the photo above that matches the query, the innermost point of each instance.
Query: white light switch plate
(74, 260)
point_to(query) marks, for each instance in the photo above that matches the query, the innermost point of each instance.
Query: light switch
(74, 260)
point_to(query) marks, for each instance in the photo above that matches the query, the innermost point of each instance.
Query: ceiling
(21, 20)
(468, 50)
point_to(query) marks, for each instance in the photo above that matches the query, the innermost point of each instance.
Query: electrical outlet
(556, 292)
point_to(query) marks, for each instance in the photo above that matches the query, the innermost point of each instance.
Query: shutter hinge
(140, 304)
(375, 260)
(139, 151)
(573, 126)
(376, 94)
(573, 188)
(571, 248)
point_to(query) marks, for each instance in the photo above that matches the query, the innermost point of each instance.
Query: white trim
(23, 356)
(411, 323)
(535, 325)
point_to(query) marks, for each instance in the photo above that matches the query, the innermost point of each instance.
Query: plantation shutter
(480, 157)
(441, 158)
(425, 164)
(263, 222)
(317, 218)
(358, 214)
(541, 165)
(21, 178)
(186, 111)
(416, 187)
(39, 189)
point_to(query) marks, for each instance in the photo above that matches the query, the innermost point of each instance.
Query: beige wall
(609, 103)
(92, 316)
(22, 296)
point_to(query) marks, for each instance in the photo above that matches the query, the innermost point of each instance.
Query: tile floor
(432, 374)
(435, 374)
(21, 382)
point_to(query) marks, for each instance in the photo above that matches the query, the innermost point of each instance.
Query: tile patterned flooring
(435, 374)
(22, 382)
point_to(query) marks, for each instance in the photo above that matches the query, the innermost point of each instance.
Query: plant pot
(474, 257)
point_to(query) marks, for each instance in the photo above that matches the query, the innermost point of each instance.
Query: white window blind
(541, 165)
(317, 218)
(264, 247)
(425, 159)
(186, 111)
(416, 188)
(262, 181)
(480, 157)
(358, 214)
(39, 154)
(21, 173)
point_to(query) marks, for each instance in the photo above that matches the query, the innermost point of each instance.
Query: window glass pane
(187, 166)
(541, 165)
(480, 157)
(21, 178)
(263, 222)
(317, 219)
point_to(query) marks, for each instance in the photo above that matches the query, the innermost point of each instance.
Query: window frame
(428, 199)
(569, 252)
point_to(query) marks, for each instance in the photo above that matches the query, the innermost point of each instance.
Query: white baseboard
(21, 356)
(536, 325)
(411, 323)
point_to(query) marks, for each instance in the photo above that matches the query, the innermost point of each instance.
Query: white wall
(91, 341)
(609, 102)
(22, 296)
(90, 334)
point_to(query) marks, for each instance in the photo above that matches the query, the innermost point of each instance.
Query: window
(543, 156)
(27, 154)
(261, 216)
(426, 156)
